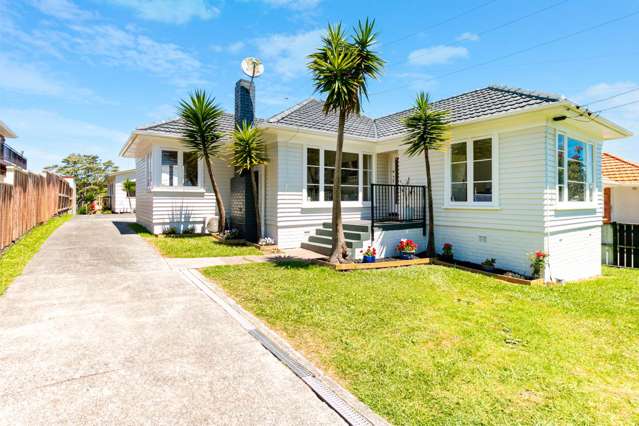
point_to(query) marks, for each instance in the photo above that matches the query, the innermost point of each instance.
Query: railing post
(615, 244)
(424, 201)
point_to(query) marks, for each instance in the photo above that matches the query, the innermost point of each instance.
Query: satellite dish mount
(252, 67)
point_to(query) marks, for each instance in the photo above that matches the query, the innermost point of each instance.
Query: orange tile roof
(618, 169)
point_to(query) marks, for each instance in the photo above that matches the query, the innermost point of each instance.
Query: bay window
(179, 169)
(357, 175)
(471, 168)
(575, 170)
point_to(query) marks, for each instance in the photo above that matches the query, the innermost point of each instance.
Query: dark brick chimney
(244, 102)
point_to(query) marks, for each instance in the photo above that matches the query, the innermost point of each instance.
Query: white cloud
(46, 136)
(294, 4)
(418, 80)
(234, 47)
(287, 54)
(437, 55)
(162, 112)
(62, 9)
(171, 11)
(468, 37)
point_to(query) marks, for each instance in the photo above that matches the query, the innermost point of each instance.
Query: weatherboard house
(521, 172)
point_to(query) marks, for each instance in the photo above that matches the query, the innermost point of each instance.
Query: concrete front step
(329, 241)
(353, 236)
(324, 249)
(348, 227)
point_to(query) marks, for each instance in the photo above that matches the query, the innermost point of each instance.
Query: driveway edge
(349, 407)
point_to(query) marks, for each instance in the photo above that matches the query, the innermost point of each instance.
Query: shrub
(82, 210)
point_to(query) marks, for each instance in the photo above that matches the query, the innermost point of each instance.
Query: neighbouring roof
(309, 114)
(6, 131)
(619, 170)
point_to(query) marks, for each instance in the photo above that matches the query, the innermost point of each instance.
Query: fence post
(615, 245)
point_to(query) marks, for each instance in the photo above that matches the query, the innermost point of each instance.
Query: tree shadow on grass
(290, 262)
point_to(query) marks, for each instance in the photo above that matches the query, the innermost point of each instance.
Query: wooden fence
(30, 201)
(621, 245)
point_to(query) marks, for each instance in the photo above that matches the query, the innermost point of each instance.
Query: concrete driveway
(99, 329)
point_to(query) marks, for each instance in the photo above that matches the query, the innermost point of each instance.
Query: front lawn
(15, 257)
(193, 245)
(425, 345)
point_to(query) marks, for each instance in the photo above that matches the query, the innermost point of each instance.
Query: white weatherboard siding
(625, 204)
(573, 233)
(271, 193)
(507, 232)
(143, 198)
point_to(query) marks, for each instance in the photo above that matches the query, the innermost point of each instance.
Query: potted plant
(489, 264)
(538, 263)
(447, 252)
(369, 255)
(406, 248)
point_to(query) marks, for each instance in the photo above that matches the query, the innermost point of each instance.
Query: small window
(190, 169)
(482, 171)
(169, 168)
(575, 170)
(312, 174)
(459, 172)
(367, 174)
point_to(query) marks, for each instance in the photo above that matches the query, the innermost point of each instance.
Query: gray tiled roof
(470, 105)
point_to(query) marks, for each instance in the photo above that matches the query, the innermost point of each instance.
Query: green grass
(15, 258)
(432, 345)
(193, 245)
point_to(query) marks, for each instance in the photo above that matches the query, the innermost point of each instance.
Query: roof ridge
(519, 90)
(157, 123)
(280, 115)
(623, 160)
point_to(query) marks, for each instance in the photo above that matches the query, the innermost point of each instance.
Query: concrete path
(99, 329)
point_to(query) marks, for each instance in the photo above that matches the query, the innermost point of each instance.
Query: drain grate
(284, 358)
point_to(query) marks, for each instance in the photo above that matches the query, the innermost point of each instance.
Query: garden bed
(497, 273)
(268, 249)
(378, 264)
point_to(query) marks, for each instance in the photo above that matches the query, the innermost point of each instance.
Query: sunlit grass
(429, 344)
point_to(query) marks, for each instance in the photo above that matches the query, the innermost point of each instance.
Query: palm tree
(340, 70)
(201, 134)
(249, 151)
(129, 187)
(427, 130)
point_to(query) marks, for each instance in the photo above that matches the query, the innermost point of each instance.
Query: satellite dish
(252, 67)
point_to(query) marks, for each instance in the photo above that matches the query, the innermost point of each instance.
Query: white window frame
(157, 168)
(360, 192)
(470, 203)
(590, 156)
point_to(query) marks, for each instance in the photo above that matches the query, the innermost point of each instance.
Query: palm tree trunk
(430, 246)
(218, 197)
(339, 251)
(128, 197)
(256, 203)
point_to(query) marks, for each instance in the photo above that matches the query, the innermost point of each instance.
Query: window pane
(591, 173)
(190, 169)
(560, 142)
(576, 171)
(366, 175)
(328, 193)
(169, 158)
(459, 192)
(312, 157)
(312, 193)
(459, 172)
(483, 170)
(350, 160)
(483, 192)
(329, 158)
(482, 149)
(366, 193)
(350, 193)
(560, 176)
(368, 161)
(328, 176)
(312, 175)
(350, 177)
(576, 191)
(560, 158)
(576, 150)
(458, 152)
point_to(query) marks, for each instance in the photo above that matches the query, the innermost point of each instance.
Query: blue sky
(79, 76)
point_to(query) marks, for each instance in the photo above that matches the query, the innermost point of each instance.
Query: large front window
(575, 170)
(357, 172)
(179, 168)
(471, 172)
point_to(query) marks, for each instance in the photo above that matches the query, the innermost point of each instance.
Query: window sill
(471, 207)
(329, 204)
(189, 189)
(576, 206)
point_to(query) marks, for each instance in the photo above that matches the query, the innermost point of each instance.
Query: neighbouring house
(117, 199)
(521, 172)
(10, 159)
(621, 189)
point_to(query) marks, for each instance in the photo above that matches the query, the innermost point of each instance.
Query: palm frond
(248, 149)
(201, 117)
(427, 128)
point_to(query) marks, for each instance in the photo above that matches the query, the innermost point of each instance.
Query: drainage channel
(326, 394)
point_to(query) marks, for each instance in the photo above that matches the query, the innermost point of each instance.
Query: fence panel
(623, 251)
(30, 201)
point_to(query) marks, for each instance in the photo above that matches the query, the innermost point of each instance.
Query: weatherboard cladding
(309, 114)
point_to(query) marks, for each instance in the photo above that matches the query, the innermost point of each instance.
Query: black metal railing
(11, 156)
(398, 204)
